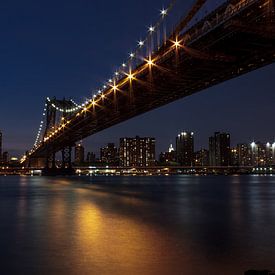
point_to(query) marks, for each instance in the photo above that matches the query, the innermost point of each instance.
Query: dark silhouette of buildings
(79, 154)
(91, 157)
(109, 154)
(5, 157)
(138, 151)
(219, 149)
(168, 157)
(201, 158)
(185, 148)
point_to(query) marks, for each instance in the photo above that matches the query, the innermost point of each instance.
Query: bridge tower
(50, 126)
(57, 112)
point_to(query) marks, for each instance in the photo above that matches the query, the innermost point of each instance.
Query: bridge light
(114, 87)
(124, 65)
(163, 12)
(141, 43)
(93, 103)
(151, 29)
(102, 96)
(176, 43)
(150, 62)
(130, 76)
(132, 55)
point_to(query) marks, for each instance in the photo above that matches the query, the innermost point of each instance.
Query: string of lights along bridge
(174, 60)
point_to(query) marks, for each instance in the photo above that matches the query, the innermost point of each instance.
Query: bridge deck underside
(239, 45)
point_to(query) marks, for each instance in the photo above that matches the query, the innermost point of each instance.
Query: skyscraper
(5, 157)
(262, 154)
(185, 148)
(234, 157)
(79, 154)
(168, 156)
(201, 158)
(109, 154)
(219, 149)
(244, 154)
(91, 157)
(138, 152)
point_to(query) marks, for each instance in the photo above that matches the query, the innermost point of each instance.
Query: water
(137, 225)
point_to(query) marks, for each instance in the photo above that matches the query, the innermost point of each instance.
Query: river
(189, 225)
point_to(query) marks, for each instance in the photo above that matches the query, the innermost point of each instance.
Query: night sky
(68, 48)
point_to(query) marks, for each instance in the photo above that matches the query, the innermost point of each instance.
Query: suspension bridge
(235, 38)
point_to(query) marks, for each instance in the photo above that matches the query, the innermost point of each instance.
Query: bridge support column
(50, 166)
(66, 166)
(67, 157)
(50, 161)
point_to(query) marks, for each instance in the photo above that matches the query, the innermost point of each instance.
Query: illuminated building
(262, 154)
(219, 149)
(109, 154)
(185, 148)
(201, 158)
(234, 157)
(137, 152)
(244, 154)
(79, 154)
(168, 157)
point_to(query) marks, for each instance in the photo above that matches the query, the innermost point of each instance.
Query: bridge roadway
(233, 40)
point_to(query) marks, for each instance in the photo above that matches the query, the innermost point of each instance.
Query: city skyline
(199, 144)
(140, 152)
(234, 106)
(220, 150)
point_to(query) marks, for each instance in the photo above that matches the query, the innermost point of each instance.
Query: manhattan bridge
(173, 61)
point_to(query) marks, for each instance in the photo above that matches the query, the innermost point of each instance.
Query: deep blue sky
(68, 48)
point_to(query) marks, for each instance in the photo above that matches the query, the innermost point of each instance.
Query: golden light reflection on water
(97, 229)
(118, 244)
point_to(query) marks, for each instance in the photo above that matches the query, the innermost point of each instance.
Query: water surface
(137, 225)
